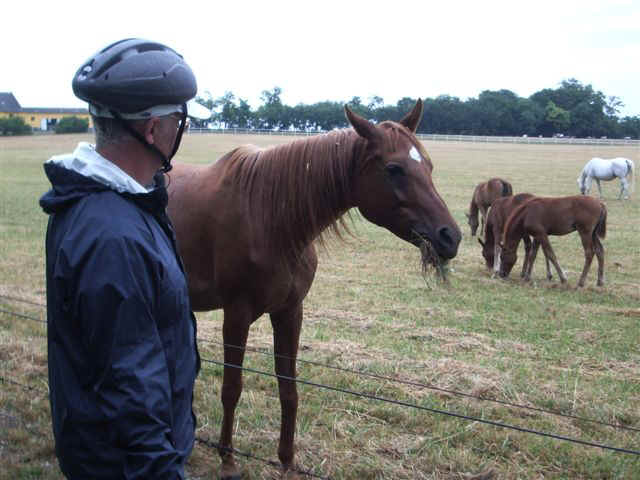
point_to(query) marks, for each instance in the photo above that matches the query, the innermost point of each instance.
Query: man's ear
(150, 129)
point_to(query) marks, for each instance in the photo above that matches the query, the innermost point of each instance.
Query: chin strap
(166, 161)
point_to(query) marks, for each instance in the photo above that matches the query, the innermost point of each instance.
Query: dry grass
(370, 309)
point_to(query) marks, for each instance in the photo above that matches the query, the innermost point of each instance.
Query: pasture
(538, 344)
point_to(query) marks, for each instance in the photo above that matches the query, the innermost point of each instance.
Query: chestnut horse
(540, 217)
(500, 210)
(483, 196)
(246, 226)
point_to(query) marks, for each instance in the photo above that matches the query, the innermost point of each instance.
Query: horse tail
(507, 189)
(601, 226)
(630, 171)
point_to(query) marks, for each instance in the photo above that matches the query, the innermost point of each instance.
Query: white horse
(607, 169)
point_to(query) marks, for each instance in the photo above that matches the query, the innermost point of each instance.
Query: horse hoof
(229, 473)
(290, 475)
(233, 476)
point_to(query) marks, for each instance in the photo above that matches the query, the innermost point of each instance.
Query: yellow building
(38, 118)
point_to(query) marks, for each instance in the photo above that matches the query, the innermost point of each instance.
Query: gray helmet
(133, 75)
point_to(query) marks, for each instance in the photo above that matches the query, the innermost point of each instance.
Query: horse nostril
(449, 239)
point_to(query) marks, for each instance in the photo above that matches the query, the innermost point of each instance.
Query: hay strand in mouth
(430, 259)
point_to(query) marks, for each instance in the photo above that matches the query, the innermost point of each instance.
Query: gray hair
(109, 131)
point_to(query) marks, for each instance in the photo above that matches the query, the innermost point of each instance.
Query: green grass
(540, 344)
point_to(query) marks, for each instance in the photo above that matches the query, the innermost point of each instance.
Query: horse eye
(394, 170)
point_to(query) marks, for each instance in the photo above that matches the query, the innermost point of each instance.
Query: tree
(270, 114)
(14, 126)
(557, 118)
(72, 125)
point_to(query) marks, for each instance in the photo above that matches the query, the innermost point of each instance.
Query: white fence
(439, 138)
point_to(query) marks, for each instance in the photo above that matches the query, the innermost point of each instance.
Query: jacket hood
(83, 173)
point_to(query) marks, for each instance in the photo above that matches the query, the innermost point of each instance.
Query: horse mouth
(430, 259)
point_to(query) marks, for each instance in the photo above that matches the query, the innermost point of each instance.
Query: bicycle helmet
(135, 79)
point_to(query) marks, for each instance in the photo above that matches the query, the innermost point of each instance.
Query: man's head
(137, 88)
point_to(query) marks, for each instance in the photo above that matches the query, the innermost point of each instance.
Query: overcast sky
(335, 50)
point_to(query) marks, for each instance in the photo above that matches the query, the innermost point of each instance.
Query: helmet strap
(166, 161)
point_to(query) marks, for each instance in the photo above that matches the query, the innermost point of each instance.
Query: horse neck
(514, 228)
(305, 187)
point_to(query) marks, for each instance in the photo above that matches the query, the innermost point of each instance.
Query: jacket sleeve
(117, 289)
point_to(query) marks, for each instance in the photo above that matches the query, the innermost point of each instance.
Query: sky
(335, 50)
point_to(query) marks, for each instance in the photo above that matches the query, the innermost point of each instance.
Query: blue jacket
(122, 348)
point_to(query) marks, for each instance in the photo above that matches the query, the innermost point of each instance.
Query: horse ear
(362, 126)
(480, 241)
(412, 119)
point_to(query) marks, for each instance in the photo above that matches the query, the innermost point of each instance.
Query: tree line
(572, 109)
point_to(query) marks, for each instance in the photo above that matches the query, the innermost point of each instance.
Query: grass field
(542, 345)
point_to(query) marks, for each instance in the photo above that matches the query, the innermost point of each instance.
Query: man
(122, 348)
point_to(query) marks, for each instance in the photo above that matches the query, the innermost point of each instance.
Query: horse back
(224, 246)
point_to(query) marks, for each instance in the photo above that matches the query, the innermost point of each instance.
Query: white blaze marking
(413, 153)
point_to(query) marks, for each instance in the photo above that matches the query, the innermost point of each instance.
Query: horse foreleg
(599, 187)
(527, 253)
(286, 335)
(548, 252)
(532, 258)
(497, 252)
(235, 330)
(548, 265)
(483, 219)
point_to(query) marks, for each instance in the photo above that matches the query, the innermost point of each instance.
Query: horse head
(393, 187)
(582, 184)
(508, 257)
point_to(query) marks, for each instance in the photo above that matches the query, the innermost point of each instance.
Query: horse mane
(507, 189)
(300, 189)
(514, 217)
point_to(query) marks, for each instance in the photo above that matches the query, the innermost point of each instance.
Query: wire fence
(389, 400)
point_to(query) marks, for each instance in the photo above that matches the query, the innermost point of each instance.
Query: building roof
(8, 103)
(54, 110)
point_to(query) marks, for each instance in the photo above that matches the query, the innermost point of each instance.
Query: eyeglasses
(178, 117)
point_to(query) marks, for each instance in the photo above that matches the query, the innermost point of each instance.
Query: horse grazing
(540, 217)
(246, 226)
(483, 196)
(608, 169)
(500, 210)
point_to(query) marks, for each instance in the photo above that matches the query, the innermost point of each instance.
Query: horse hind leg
(286, 335)
(599, 249)
(624, 188)
(588, 245)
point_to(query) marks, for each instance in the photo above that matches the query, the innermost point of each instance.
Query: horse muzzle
(444, 240)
